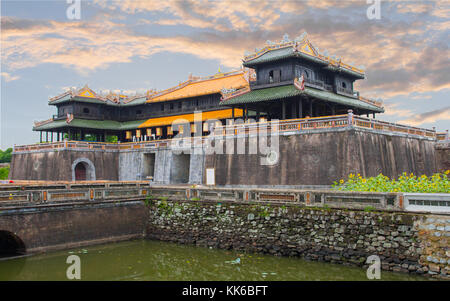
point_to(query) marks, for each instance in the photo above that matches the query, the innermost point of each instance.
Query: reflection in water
(155, 260)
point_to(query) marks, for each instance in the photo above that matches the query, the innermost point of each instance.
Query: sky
(135, 45)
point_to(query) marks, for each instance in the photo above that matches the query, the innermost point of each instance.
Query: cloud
(402, 56)
(393, 110)
(8, 77)
(429, 117)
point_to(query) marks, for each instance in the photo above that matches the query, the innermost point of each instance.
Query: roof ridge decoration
(195, 79)
(301, 44)
(87, 92)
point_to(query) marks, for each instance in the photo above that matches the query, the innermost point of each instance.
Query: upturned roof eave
(290, 91)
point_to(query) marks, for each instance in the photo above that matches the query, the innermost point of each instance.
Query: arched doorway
(80, 172)
(83, 170)
(10, 244)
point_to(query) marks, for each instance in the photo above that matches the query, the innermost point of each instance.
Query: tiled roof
(281, 92)
(192, 88)
(300, 47)
(91, 124)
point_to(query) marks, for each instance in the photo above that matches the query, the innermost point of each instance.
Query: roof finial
(301, 37)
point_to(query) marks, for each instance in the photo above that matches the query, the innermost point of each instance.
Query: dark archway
(80, 172)
(10, 244)
(83, 170)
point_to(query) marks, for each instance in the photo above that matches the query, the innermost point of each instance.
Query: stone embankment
(405, 242)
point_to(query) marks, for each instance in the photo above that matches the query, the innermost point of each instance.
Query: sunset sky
(136, 45)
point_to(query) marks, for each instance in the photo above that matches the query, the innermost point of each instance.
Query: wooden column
(232, 113)
(283, 110)
(300, 108)
(310, 108)
(40, 140)
(46, 136)
(51, 136)
(258, 113)
(333, 110)
(373, 115)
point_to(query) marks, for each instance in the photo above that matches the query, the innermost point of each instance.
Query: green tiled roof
(276, 93)
(135, 102)
(282, 53)
(278, 54)
(91, 124)
(273, 55)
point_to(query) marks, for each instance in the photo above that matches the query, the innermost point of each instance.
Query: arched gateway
(10, 244)
(83, 170)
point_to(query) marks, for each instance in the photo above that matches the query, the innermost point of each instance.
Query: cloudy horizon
(134, 46)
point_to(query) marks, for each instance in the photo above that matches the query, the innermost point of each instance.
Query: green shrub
(437, 183)
(4, 172)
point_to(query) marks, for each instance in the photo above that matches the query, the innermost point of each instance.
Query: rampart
(311, 152)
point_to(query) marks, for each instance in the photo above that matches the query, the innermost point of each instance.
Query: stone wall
(308, 158)
(324, 234)
(62, 227)
(56, 165)
(319, 158)
(442, 156)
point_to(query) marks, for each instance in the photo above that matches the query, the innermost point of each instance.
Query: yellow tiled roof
(202, 87)
(168, 120)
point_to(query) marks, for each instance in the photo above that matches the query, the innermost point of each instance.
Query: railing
(371, 101)
(26, 193)
(392, 127)
(290, 125)
(427, 202)
(442, 136)
(46, 193)
(345, 91)
(315, 83)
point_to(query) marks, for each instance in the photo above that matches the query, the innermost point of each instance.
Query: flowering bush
(437, 183)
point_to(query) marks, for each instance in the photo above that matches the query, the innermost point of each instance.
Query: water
(155, 260)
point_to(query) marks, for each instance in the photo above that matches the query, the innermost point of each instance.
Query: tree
(5, 156)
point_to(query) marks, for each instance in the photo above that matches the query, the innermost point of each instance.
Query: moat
(147, 260)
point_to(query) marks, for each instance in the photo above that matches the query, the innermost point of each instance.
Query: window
(85, 110)
(171, 106)
(271, 76)
(344, 85)
(179, 105)
(138, 112)
(162, 108)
